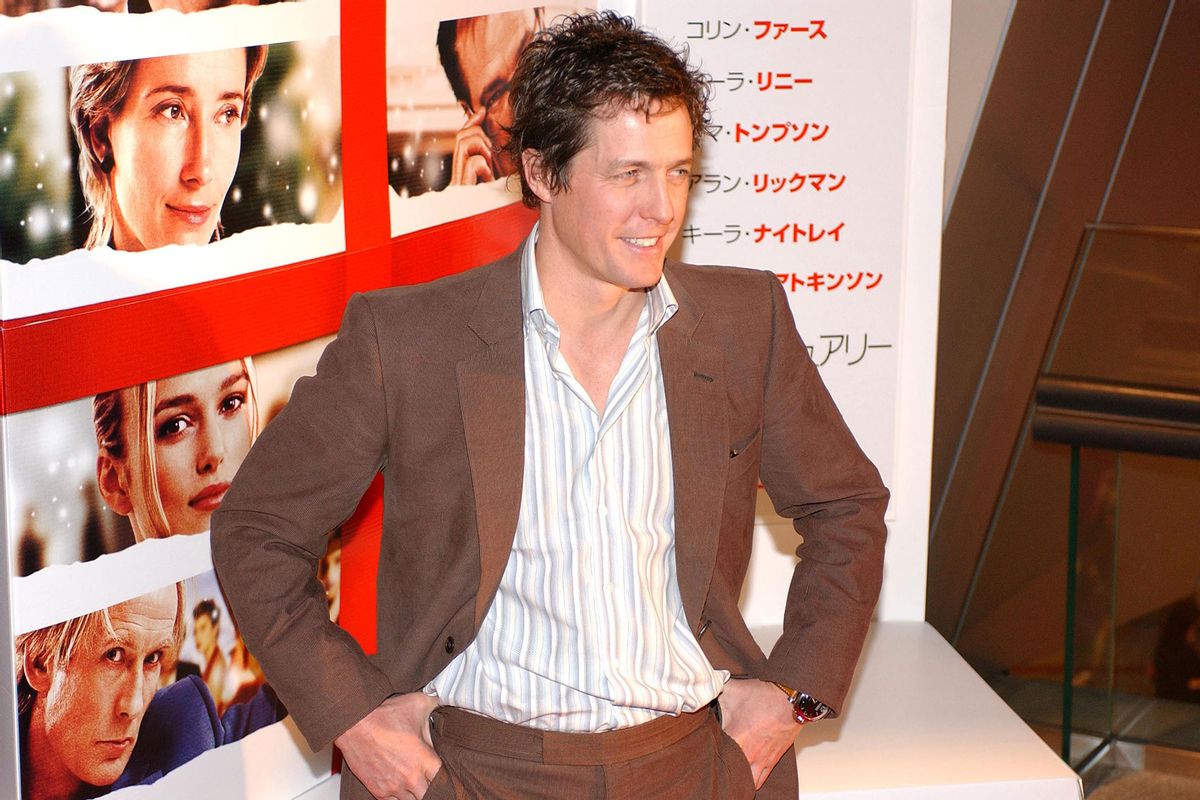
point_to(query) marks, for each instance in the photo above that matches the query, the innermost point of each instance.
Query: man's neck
(595, 319)
(44, 777)
(583, 305)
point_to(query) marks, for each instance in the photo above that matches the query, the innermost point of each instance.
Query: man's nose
(131, 693)
(197, 157)
(657, 203)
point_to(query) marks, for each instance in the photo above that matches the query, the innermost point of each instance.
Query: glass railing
(1120, 641)
(1085, 611)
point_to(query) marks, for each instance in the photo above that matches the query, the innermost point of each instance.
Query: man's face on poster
(206, 635)
(92, 708)
(488, 50)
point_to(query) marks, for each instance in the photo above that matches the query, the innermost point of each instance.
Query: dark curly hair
(588, 66)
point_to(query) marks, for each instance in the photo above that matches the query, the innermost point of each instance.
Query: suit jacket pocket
(743, 454)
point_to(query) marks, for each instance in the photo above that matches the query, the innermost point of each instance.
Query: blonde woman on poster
(168, 448)
(159, 142)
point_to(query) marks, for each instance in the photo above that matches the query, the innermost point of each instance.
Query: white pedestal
(920, 723)
(324, 791)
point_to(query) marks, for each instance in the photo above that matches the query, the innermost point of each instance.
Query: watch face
(810, 707)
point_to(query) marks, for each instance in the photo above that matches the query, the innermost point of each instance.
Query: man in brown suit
(471, 394)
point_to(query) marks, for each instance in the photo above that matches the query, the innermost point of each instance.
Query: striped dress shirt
(587, 632)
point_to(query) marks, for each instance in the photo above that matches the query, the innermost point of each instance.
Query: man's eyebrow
(623, 163)
(121, 639)
(493, 90)
(115, 639)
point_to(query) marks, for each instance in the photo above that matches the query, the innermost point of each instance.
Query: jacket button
(449, 644)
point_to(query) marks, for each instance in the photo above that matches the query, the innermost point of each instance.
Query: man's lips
(192, 214)
(210, 497)
(642, 242)
(115, 748)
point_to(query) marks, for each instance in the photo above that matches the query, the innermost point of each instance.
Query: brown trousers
(687, 757)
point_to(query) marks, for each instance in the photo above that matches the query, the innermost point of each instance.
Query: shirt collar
(660, 300)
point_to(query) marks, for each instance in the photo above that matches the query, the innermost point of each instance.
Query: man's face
(488, 50)
(624, 202)
(93, 708)
(206, 634)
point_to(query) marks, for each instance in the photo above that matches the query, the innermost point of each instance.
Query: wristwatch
(805, 707)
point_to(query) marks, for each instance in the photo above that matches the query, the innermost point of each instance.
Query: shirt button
(449, 644)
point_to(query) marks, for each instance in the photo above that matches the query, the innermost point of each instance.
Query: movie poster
(149, 152)
(110, 496)
(449, 68)
(15, 8)
(123, 695)
(156, 151)
(133, 173)
(805, 176)
(99, 474)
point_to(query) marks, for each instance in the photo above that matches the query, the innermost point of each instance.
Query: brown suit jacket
(427, 384)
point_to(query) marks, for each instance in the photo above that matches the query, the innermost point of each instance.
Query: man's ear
(110, 477)
(37, 674)
(535, 174)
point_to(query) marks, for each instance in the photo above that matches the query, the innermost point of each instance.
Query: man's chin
(106, 772)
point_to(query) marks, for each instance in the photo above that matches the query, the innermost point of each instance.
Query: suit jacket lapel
(491, 385)
(693, 379)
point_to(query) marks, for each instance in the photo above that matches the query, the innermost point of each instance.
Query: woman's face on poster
(202, 431)
(197, 5)
(175, 147)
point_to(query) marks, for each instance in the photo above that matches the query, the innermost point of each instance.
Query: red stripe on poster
(52, 358)
(435, 253)
(364, 133)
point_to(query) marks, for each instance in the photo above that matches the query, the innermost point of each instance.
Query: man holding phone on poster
(479, 55)
(572, 440)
